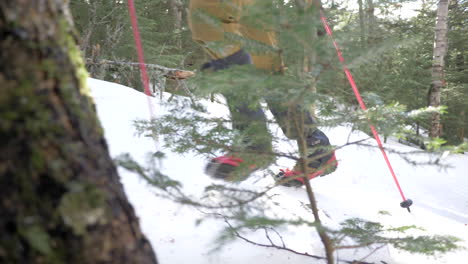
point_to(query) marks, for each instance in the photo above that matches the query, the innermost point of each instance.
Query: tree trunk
(461, 129)
(321, 231)
(89, 29)
(310, 61)
(309, 58)
(361, 24)
(371, 22)
(176, 8)
(440, 49)
(61, 199)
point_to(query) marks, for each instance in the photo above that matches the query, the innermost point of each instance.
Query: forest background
(55, 173)
(389, 49)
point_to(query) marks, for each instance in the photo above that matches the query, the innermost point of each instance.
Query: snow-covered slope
(361, 187)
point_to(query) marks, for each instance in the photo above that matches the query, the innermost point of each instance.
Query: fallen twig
(171, 73)
(273, 245)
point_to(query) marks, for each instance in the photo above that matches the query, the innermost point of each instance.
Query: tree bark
(461, 129)
(371, 22)
(61, 200)
(309, 58)
(176, 8)
(440, 49)
(88, 32)
(361, 24)
(321, 231)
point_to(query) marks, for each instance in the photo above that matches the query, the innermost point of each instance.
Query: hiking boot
(295, 178)
(322, 161)
(233, 168)
(289, 178)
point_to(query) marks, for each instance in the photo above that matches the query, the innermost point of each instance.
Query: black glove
(239, 58)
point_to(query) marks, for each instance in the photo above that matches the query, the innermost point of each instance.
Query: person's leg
(297, 123)
(210, 22)
(249, 118)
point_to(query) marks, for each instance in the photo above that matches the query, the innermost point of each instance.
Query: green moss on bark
(82, 206)
(57, 176)
(68, 41)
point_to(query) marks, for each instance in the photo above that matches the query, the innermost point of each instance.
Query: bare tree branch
(282, 247)
(171, 73)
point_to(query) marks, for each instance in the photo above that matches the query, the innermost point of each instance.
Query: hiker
(210, 21)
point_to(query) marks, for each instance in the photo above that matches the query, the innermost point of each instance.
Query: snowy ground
(361, 187)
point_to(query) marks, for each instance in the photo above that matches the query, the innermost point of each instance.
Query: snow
(361, 187)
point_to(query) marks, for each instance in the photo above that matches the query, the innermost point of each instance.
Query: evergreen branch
(405, 155)
(282, 247)
(355, 246)
(298, 119)
(171, 73)
(180, 197)
(240, 202)
(277, 233)
(268, 236)
(172, 189)
(228, 148)
(373, 251)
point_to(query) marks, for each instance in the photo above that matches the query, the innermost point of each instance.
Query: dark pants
(296, 121)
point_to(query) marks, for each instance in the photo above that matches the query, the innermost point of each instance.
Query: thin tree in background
(309, 63)
(372, 22)
(176, 7)
(440, 49)
(362, 32)
(61, 200)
